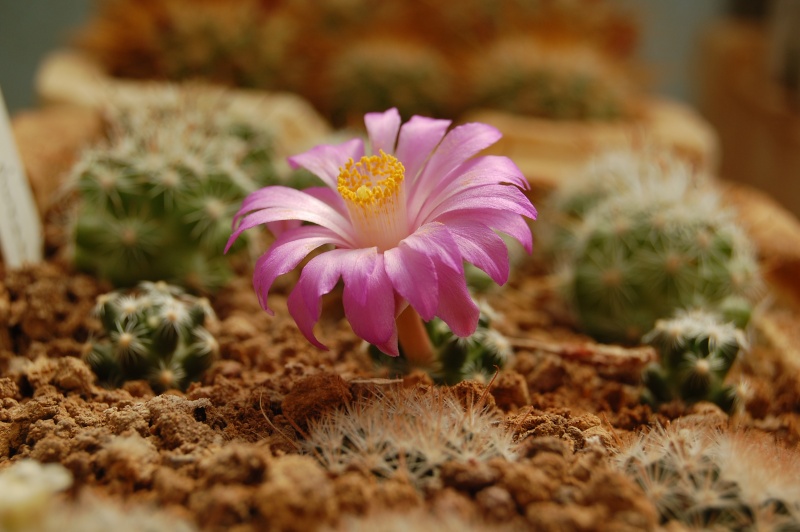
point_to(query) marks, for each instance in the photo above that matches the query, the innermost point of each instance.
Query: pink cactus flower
(401, 223)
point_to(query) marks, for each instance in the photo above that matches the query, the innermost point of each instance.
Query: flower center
(374, 193)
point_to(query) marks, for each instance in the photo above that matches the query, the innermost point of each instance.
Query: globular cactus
(375, 74)
(564, 82)
(410, 434)
(240, 43)
(654, 239)
(156, 200)
(697, 349)
(709, 480)
(476, 357)
(156, 333)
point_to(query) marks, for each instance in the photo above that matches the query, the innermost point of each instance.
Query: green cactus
(155, 333)
(375, 74)
(521, 75)
(649, 243)
(476, 357)
(697, 349)
(158, 197)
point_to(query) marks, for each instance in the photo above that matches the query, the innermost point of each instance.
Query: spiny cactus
(476, 357)
(653, 240)
(379, 73)
(713, 481)
(238, 43)
(156, 333)
(158, 197)
(697, 349)
(409, 433)
(523, 75)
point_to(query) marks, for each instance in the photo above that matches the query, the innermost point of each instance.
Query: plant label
(21, 239)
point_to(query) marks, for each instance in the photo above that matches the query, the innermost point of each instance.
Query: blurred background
(30, 29)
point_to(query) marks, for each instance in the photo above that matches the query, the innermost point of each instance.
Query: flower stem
(414, 339)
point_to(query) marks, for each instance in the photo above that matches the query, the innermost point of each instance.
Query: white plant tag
(21, 239)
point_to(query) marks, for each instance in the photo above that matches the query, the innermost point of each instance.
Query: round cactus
(650, 242)
(697, 349)
(523, 75)
(158, 197)
(375, 74)
(155, 333)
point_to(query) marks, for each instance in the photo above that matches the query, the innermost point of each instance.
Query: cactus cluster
(351, 56)
(156, 199)
(639, 237)
(715, 481)
(155, 333)
(476, 357)
(697, 349)
(409, 434)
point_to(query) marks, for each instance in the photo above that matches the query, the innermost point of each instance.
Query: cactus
(477, 357)
(157, 199)
(237, 43)
(156, 333)
(375, 74)
(697, 349)
(651, 242)
(409, 433)
(716, 481)
(523, 75)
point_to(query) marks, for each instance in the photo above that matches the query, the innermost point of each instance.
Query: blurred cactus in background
(638, 237)
(155, 333)
(524, 76)
(697, 349)
(158, 196)
(234, 43)
(348, 57)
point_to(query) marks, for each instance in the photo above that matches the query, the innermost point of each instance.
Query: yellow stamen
(373, 189)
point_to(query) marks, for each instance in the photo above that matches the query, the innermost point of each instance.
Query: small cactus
(379, 73)
(653, 240)
(476, 357)
(697, 349)
(408, 433)
(716, 481)
(156, 333)
(157, 199)
(522, 75)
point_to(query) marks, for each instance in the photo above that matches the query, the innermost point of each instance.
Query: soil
(232, 452)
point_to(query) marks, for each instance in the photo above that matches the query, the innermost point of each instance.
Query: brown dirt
(226, 454)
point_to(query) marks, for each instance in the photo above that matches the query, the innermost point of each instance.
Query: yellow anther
(371, 180)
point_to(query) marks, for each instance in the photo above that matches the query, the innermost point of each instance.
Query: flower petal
(488, 197)
(460, 144)
(434, 240)
(418, 138)
(413, 276)
(285, 254)
(272, 204)
(456, 307)
(325, 160)
(382, 130)
(477, 172)
(369, 300)
(506, 222)
(481, 246)
(318, 278)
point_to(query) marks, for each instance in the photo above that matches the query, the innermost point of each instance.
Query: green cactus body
(697, 349)
(379, 73)
(156, 333)
(657, 243)
(157, 200)
(521, 75)
(477, 357)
